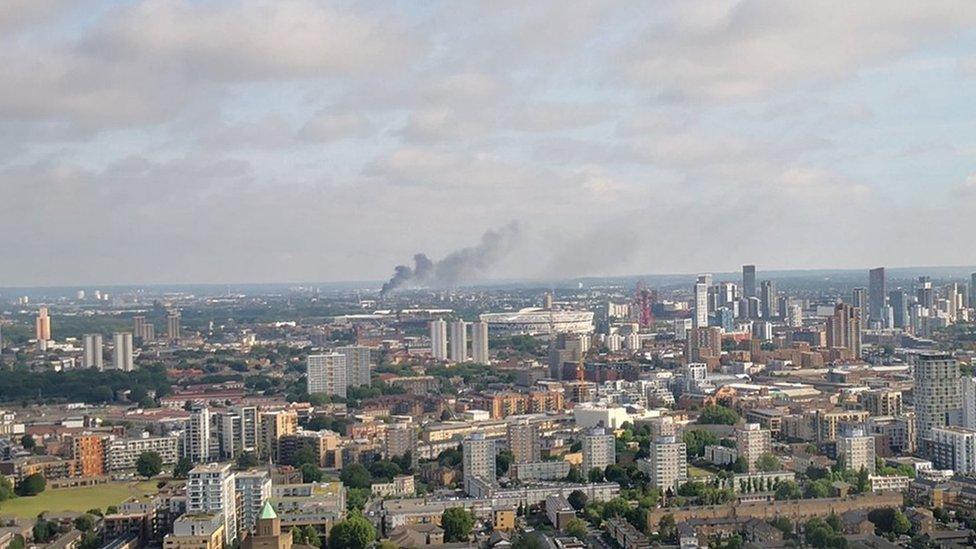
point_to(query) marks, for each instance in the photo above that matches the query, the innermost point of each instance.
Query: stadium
(537, 321)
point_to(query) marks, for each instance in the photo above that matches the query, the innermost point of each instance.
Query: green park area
(76, 499)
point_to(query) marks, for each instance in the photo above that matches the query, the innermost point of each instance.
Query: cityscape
(559, 274)
(715, 410)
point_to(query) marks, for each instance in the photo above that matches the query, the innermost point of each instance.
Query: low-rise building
(559, 511)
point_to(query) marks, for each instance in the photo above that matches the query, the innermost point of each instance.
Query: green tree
(356, 498)
(310, 473)
(740, 465)
(595, 475)
(305, 455)
(6, 489)
(788, 489)
(616, 473)
(355, 476)
(768, 463)
(667, 528)
(149, 464)
(353, 533)
(576, 528)
(820, 488)
(182, 468)
(578, 499)
(695, 441)
(85, 522)
(457, 523)
(717, 415)
(574, 475)
(31, 485)
(27, 441)
(45, 530)
(383, 470)
(503, 460)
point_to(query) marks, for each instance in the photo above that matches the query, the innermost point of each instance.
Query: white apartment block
(327, 374)
(210, 488)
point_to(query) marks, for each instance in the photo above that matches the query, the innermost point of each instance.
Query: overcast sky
(179, 141)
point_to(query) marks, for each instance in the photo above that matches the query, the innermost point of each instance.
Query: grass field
(698, 472)
(76, 499)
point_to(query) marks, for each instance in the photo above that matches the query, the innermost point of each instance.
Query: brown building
(88, 451)
(504, 404)
(267, 532)
(326, 446)
(275, 425)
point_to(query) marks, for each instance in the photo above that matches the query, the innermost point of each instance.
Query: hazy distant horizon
(843, 275)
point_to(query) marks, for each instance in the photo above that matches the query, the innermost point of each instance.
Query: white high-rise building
(357, 365)
(937, 395)
(438, 339)
(479, 343)
(857, 451)
(326, 374)
(478, 459)
(210, 489)
(254, 489)
(954, 448)
(122, 354)
(198, 440)
(598, 450)
(92, 344)
(667, 463)
(701, 304)
(238, 431)
(751, 442)
(459, 341)
(969, 402)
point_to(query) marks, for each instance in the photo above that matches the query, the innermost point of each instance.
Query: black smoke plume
(459, 267)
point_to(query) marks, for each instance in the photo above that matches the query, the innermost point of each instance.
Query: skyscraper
(924, 293)
(667, 463)
(877, 292)
(326, 374)
(598, 450)
(122, 353)
(438, 339)
(42, 326)
(768, 299)
(972, 290)
(899, 307)
(524, 441)
(844, 328)
(173, 328)
(459, 341)
(856, 451)
(479, 343)
(859, 299)
(357, 365)
(478, 459)
(196, 444)
(701, 303)
(142, 330)
(749, 281)
(92, 345)
(751, 442)
(937, 395)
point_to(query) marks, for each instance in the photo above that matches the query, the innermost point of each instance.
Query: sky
(179, 141)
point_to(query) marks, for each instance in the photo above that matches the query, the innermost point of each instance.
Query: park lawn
(76, 499)
(698, 472)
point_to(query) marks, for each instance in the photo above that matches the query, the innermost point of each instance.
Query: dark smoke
(459, 267)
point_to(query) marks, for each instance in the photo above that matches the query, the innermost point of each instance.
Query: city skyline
(330, 142)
